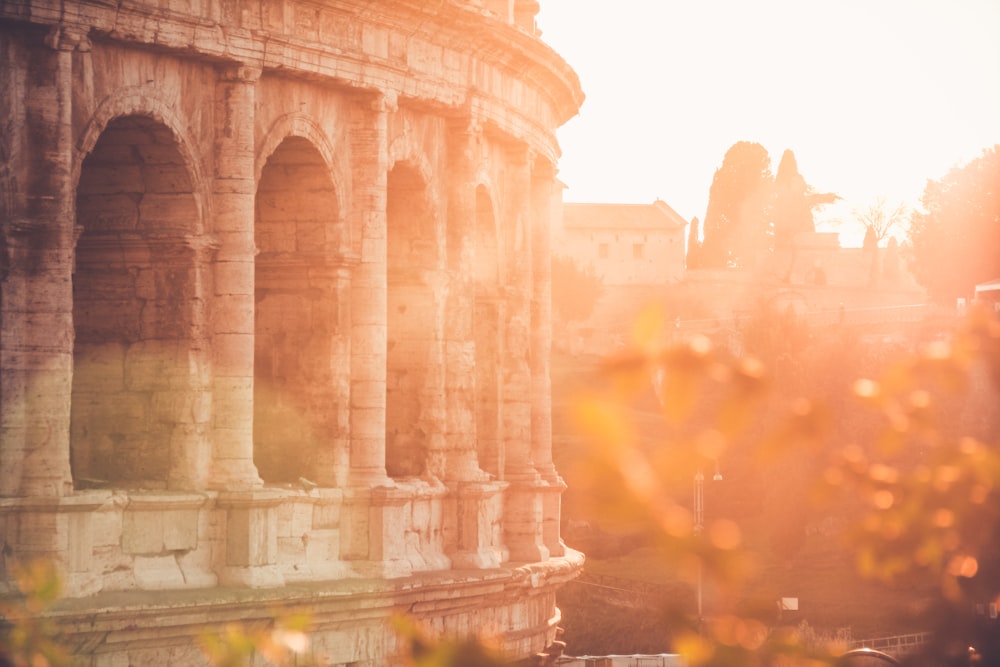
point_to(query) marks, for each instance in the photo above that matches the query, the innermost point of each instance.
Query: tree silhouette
(878, 219)
(736, 223)
(794, 202)
(955, 240)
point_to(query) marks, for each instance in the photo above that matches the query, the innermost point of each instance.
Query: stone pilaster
(36, 309)
(370, 505)
(434, 420)
(523, 511)
(374, 527)
(460, 390)
(369, 291)
(251, 538)
(543, 191)
(335, 458)
(233, 303)
(190, 438)
(474, 506)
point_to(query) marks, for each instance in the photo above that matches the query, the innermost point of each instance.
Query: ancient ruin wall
(274, 304)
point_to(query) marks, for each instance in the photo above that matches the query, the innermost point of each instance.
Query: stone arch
(303, 126)
(413, 256)
(143, 102)
(403, 152)
(486, 328)
(140, 379)
(301, 305)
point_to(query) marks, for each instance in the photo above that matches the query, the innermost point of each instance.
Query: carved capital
(62, 38)
(387, 101)
(240, 73)
(468, 125)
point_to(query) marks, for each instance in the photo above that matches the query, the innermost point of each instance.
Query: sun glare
(874, 99)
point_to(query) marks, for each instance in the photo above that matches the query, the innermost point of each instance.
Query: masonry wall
(275, 311)
(627, 256)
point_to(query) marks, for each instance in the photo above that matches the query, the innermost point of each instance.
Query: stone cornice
(448, 54)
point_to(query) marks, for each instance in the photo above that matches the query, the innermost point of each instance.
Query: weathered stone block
(80, 541)
(161, 212)
(326, 515)
(99, 366)
(180, 530)
(232, 350)
(234, 277)
(251, 538)
(157, 572)
(153, 531)
(41, 532)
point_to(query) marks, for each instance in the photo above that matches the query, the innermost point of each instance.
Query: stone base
(348, 622)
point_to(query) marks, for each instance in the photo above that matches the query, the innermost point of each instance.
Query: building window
(603, 251)
(637, 250)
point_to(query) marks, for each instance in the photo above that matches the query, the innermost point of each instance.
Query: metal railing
(897, 646)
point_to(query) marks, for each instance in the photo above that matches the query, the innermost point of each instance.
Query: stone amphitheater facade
(275, 320)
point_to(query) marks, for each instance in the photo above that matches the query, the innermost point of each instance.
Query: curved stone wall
(275, 316)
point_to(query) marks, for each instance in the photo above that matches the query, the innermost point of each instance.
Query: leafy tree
(955, 240)
(736, 223)
(575, 290)
(794, 202)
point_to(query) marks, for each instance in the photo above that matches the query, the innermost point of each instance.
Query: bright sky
(874, 97)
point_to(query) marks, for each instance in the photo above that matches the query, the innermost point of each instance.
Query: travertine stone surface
(275, 327)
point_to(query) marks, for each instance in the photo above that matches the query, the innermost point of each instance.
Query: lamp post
(699, 521)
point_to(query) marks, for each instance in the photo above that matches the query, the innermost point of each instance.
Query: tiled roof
(657, 215)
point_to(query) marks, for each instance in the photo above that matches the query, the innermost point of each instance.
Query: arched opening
(486, 331)
(297, 381)
(139, 381)
(411, 253)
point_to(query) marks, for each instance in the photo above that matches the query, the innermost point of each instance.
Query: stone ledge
(119, 610)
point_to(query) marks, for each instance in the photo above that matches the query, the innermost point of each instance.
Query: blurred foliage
(923, 492)
(29, 635)
(424, 650)
(283, 643)
(955, 240)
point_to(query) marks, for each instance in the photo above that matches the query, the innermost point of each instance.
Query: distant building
(989, 293)
(626, 244)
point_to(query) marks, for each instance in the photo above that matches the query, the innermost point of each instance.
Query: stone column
(474, 504)
(460, 352)
(251, 511)
(543, 191)
(523, 512)
(335, 458)
(36, 309)
(374, 511)
(517, 327)
(233, 194)
(191, 410)
(369, 292)
(434, 421)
